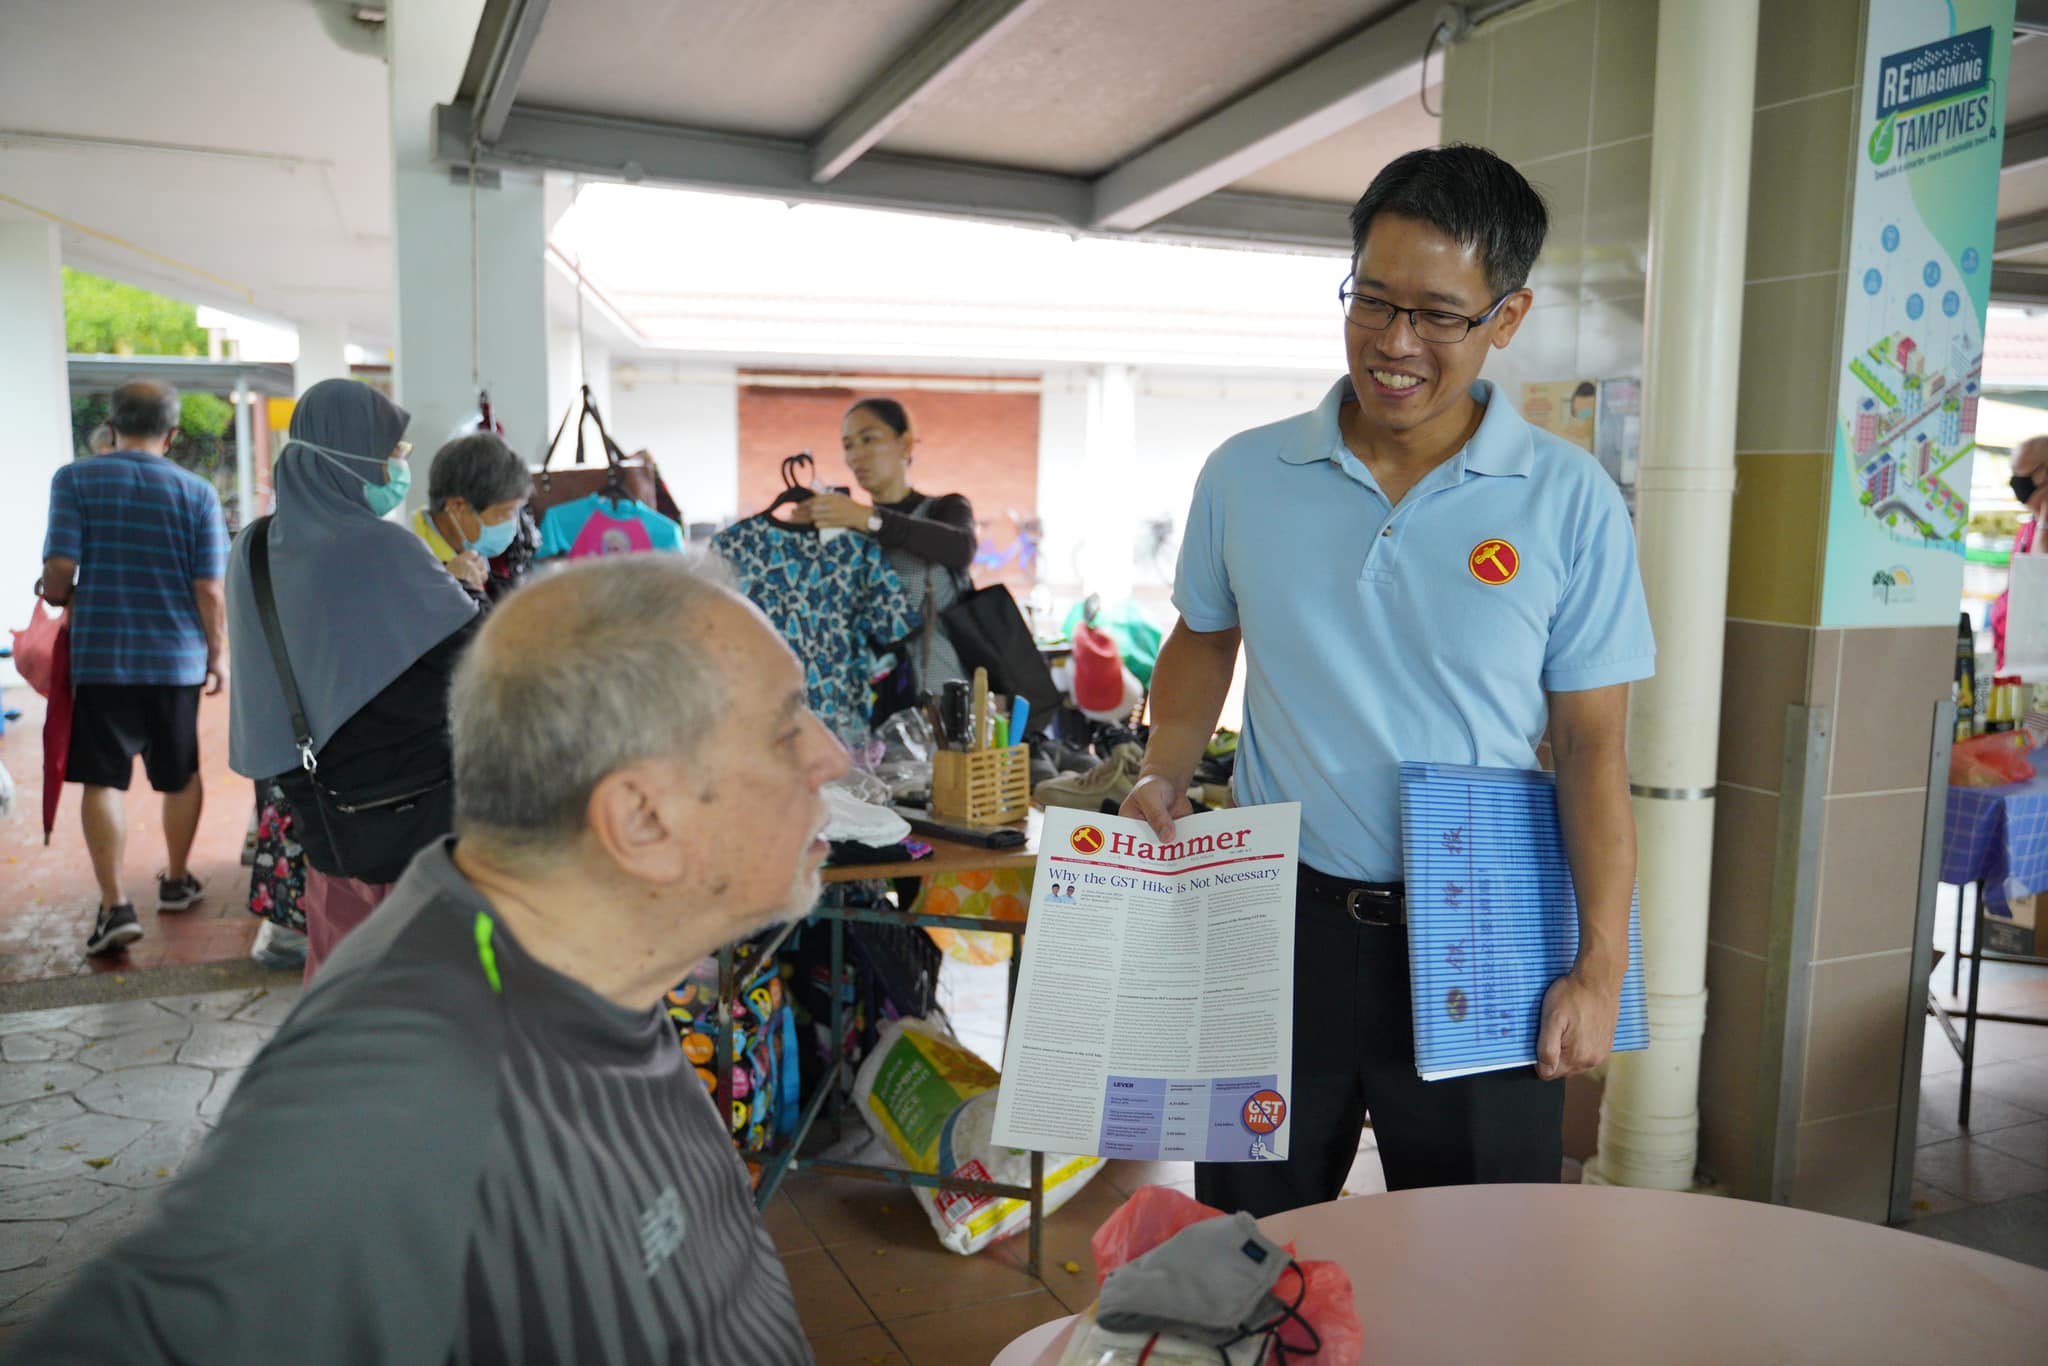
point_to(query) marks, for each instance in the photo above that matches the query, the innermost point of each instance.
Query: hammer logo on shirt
(1494, 562)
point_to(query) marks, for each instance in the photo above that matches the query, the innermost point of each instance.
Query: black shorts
(111, 723)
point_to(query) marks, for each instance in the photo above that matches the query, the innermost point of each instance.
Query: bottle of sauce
(1966, 678)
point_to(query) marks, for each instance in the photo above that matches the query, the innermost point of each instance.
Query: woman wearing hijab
(930, 541)
(372, 629)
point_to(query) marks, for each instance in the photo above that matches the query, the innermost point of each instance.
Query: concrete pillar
(437, 330)
(1699, 219)
(36, 397)
(323, 354)
(245, 454)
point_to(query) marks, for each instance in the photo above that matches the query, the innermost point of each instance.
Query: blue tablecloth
(1998, 836)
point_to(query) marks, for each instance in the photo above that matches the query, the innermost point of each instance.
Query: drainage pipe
(1699, 220)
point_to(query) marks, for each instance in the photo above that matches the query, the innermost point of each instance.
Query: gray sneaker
(178, 893)
(116, 928)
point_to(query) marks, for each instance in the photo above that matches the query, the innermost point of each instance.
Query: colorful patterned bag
(1001, 895)
(766, 1104)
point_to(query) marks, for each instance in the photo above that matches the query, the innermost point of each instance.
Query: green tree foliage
(105, 317)
(204, 414)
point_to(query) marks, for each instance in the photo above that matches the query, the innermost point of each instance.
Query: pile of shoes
(1108, 782)
(1063, 775)
(1218, 767)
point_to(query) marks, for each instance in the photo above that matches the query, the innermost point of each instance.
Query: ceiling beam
(940, 53)
(2019, 285)
(637, 151)
(1372, 70)
(2026, 144)
(1257, 220)
(2017, 235)
(505, 36)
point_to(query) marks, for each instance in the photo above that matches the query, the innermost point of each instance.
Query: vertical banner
(1930, 130)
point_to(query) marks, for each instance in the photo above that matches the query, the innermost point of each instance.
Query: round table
(1589, 1274)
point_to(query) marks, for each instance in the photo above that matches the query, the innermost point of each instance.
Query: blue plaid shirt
(141, 530)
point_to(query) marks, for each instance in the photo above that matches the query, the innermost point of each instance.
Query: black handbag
(989, 632)
(370, 835)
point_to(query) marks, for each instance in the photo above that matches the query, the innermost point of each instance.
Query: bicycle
(1022, 552)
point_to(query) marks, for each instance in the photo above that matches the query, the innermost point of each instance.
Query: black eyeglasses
(1430, 324)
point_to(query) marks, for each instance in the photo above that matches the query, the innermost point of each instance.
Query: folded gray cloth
(1212, 1282)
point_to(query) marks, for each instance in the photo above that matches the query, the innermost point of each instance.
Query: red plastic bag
(1157, 1213)
(1989, 760)
(1142, 1223)
(34, 647)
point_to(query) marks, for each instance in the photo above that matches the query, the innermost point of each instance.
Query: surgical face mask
(382, 499)
(2024, 487)
(491, 540)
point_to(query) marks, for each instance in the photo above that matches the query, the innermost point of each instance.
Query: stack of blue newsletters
(1492, 917)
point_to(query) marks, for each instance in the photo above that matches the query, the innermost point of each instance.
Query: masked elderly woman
(477, 489)
(370, 628)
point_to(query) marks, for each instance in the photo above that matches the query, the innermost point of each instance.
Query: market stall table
(1993, 838)
(1596, 1274)
(947, 856)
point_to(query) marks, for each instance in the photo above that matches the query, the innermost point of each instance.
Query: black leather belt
(1368, 903)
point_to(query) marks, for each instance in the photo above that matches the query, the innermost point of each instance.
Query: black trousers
(1354, 1054)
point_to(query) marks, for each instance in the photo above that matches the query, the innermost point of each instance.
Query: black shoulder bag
(369, 836)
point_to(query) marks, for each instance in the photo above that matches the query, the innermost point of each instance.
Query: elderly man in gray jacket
(477, 1138)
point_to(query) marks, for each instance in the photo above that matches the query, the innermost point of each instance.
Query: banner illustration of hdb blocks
(1930, 131)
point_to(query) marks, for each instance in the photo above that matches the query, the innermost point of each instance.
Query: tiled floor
(47, 895)
(874, 1287)
(2003, 1155)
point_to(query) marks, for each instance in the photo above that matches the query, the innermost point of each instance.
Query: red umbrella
(57, 728)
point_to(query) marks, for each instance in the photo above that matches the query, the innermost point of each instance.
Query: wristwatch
(874, 524)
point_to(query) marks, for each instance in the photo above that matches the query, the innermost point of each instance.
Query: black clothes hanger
(793, 489)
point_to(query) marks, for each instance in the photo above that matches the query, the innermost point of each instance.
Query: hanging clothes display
(832, 600)
(598, 525)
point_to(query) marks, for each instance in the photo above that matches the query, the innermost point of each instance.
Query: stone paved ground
(99, 1108)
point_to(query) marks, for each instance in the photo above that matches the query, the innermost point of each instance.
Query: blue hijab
(360, 599)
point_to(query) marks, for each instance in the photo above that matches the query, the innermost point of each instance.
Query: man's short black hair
(144, 408)
(1469, 195)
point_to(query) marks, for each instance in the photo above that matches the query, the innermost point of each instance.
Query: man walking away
(137, 549)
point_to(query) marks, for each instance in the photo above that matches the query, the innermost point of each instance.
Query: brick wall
(982, 445)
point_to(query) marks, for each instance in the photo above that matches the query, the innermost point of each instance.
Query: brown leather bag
(633, 476)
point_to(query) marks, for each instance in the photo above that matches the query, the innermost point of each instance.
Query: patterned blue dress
(834, 600)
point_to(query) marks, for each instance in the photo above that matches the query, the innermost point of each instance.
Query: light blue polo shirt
(1376, 635)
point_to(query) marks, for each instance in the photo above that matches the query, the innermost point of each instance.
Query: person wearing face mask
(477, 489)
(372, 628)
(930, 541)
(2030, 489)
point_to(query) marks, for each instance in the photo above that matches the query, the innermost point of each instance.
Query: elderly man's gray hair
(480, 469)
(144, 408)
(580, 673)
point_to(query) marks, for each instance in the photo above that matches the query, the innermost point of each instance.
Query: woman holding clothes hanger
(930, 542)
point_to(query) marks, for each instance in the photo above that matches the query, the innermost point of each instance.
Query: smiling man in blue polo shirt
(1414, 573)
